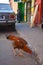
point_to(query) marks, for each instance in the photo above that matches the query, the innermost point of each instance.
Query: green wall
(21, 6)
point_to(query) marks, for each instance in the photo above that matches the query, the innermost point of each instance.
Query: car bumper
(7, 22)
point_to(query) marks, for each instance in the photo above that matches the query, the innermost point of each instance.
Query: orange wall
(39, 13)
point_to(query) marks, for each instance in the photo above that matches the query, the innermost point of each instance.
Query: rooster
(20, 43)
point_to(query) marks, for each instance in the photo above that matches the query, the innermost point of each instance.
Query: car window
(5, 7)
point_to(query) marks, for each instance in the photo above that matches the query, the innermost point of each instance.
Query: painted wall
(32, 9)
(39, 13)
(25, 11)
(14, 5)
(21, 7)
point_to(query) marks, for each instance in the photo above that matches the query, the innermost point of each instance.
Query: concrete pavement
(34, 36)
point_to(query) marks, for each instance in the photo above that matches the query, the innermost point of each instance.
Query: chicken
(20, 43)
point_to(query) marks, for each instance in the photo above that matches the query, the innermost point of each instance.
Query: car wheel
(13, 27)
(42, 26)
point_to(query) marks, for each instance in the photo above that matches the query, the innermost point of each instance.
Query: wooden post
(34, 16)
(36, 20)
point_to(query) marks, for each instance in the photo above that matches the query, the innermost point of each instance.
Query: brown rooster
(20, 43)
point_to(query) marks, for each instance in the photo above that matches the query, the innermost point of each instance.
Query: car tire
(42, 26)
(13, 27)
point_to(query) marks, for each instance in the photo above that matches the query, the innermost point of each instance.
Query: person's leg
(18, 20)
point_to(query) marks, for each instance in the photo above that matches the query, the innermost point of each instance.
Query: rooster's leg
(15, 51)
(20, 52)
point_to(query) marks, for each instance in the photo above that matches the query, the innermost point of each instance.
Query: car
(7, 16)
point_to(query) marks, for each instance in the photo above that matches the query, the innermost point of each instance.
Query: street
(34, 36)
